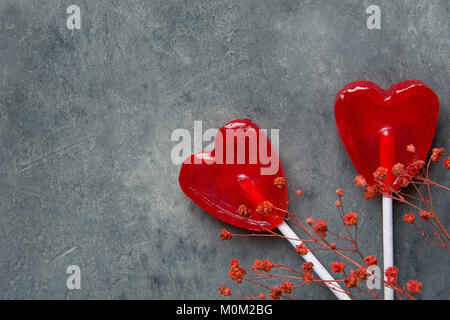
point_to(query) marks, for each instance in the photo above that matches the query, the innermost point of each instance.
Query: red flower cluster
(360, 181)
(392, 275)
(276, 293)
(243, 211)
(308, 277)
(370, 261)
(351, 219)
(234, 263)
(447, 163)
(355, 277)
(414, 286)
(301, 249)
(418, 164)
(337, 267)
(263, 265)
(411, 148)
(409, 218)
(371, 193)
(437, 155)
(280, 182)
(307, 266)
(287, 287)
(398, 169)
(224, 291)
(225, 235)
(321, 228)
(425, 215)
(380, 174)
(236, 273)
(265, 207)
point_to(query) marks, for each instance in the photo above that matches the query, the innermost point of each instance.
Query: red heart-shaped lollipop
(231, 186)
(377, 125)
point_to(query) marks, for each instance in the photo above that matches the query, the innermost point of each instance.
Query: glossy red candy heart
(222, 187)
(377, 125)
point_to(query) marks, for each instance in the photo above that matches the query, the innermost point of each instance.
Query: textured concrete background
(86, 118)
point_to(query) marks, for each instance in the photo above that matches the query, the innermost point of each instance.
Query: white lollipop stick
(387, 160)
(388, 242)
(318, 268)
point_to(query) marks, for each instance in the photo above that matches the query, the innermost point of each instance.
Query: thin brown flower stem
(301, 226)
(435, 218)
(425, 181)
(293, 198)
(423, 233)
(367, 293)
(287, 268)
(339, 236)
(436, 232)
(299, 285)
(423, 198)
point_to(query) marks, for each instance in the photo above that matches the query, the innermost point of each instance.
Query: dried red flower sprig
(416, 176)
(317, 234)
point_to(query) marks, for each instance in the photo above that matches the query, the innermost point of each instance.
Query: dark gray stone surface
(86, 118)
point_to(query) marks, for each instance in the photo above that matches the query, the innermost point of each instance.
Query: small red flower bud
(224, 291)
(392, 273)
(276, 293)
(301, 249)
(351, 219)
(340, 192)
(299, 192)
(380, 174)
(371, 193)
(447, 163)
(370, 261)
(308, 277)
(225, 235)
(411, 148)
(337, 267)
(280, 182)
(243, 211)
(398, 169)
(352, 279)
(234, 263)
(263, 265)
(310, 221)
(287, 287)
(425, 215)
(338, 203)
(333, 245)
(360, 181)
(237, 274)
(307, 266)
(321, 228)
(409, 218)
(418, 164)
(437, 155)
(414, 286)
